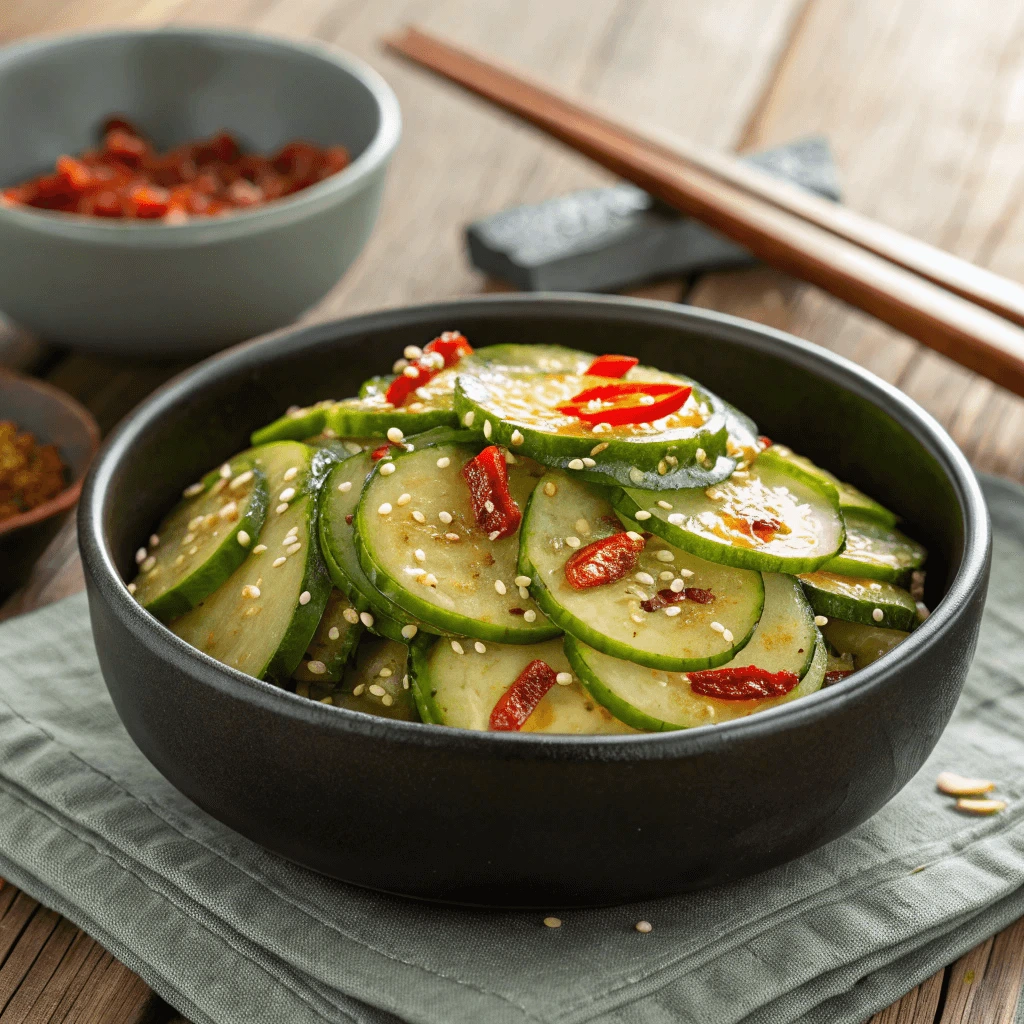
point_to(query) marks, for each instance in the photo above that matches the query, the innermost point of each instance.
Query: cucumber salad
(530, 538)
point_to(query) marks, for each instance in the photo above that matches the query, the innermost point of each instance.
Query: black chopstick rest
(602, 239)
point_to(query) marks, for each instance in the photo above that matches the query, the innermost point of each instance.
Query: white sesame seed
(876, 586)
(727, 636)
(588, 462)
(677, 586)
(293, 549)
(195, 522)
(878, 615)
(195, 547)
(718, 627)
(250, 591)
(686, 572)
(530, 615)
(664, 555)
(487, 429)
(665, 574)
(228, 510)
(676, 519)
(457, 647)
(353, 447)
(637, 618)
(524, 593)
(290, 474)
(552, 922)
(644, 927)
(243, 478)
(641, 595)
(644, 577)
(411, 371)
(633, 535)
(575, 464)
(333, 633)
(488, 506)
(494, 535)
(345, 486)
(387, 469)
(550, 488)
(821, 620)
(366, 619)
(563, 678)
(410, 631)
(444, 462)
(278, 562)
(468, 418)
(282, 508)
(377, 690)
(287, 494)
(289, 537)
(598, 448)
(154, 541)
(395, 436)
(384, 509)
(573, 542)
(399, 365)
(453, 537)
(636, 475)
(479, 648)
(351, 615)
(140, 556)
(673, 610)
(517, 438)
(358, 690)
(243, 538)
(387, 700)
(445, 517)
(149, 563)
(500, 587)
(132, 588)
(318, 668)
(179, 560)
(523, 581)
(305, 597)
(420, 555)
(259, 549)
(416, 514)
(225, 471)
(700, 454)
(404, 499)
(386, 673)
(192, 490)
(405, 682)
(412, 352)
(642, 515)
(430, 580)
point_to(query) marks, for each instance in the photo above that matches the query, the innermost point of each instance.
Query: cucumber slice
(565, 513)
(460, 690)
(876, 551)
(786, 639)
(262, 618)
(333, 642)
(802, 526)
(448, 574)
(338, 502)
(203, 540)
(864, 644)
(541, 358)
(850, 498)
(520, 412)
(377, 681)
(860, 600)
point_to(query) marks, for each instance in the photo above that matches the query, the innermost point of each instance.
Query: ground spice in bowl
(30, 473)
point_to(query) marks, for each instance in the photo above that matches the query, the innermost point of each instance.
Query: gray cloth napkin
(229, 933)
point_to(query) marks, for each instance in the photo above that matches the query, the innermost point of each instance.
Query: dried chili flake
(664, 598)
(749, 683)
(603, 561)
(494, 508)
(520, 700)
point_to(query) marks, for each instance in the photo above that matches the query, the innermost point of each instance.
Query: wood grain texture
(920, 99)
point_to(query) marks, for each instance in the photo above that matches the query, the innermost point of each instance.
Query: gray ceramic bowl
(178, 289)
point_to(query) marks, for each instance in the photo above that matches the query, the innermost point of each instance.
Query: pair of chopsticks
(961, 310)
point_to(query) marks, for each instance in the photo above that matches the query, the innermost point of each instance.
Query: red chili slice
(837, 675)
(623, 403)
(451, 346)
(494, 508)
(520, 700)
(749, 683)
(604, 561)
(385, 449)
(663, 598)
(764, 441)
(611, 366)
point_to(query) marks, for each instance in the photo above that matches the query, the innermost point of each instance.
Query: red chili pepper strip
(837, 675)
(604, 561)
(750, 683)
(764, 441)
(494, 508)
(385, 449)
(622, 403)
(412, 377)
(663, 598)
(611, 366)
(520, 700)
(451, 346)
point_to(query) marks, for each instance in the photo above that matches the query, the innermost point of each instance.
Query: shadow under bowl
(152, 289)
(52, 417)
(538, 820)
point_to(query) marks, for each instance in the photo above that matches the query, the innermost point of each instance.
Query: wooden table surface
(923, 102)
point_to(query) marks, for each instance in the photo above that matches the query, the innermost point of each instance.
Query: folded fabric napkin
(229, 933)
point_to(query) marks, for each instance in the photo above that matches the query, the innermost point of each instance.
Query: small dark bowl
(506, 819)
(52, 417)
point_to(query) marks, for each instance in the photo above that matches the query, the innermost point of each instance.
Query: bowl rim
(90, 428)
(307, 202)
(971, 574)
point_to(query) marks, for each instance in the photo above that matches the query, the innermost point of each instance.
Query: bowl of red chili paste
(170, 192)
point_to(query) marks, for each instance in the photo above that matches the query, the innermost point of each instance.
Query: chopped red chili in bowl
(127, 177)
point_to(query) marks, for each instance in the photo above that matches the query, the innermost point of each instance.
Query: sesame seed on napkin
(227, 932)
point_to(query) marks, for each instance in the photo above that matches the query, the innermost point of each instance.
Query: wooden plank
(998, 991)
(14, 921)
(22, 957)
(64, 987)
(918, 1006)
(40, 974)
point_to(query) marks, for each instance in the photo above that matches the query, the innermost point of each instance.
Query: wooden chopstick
(960, 329)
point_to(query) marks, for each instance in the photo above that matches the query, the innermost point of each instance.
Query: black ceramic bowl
(536, 820)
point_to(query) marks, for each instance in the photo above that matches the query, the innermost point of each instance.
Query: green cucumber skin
(818, 481)
(616, 461)
(419, 681)
(843, 564)
(292, 428)
(187, 593)
(883, 574)
(336, 660)
(902, 615)
(355, 421)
